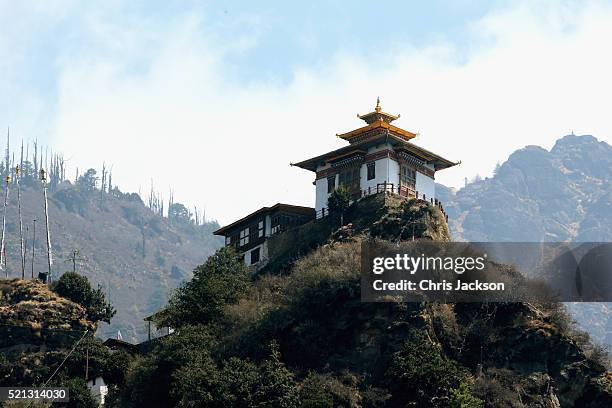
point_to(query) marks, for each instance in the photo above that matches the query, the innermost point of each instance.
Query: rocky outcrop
(32, 317)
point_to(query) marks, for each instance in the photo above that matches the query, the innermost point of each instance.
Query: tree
(116, 368)
(76, 287)
(218, 282)
(80, 396)
(92, 354)
(89, 180)
(338, 202)
(239, 383)
(154, 379)
(277, 387)
(178, 213)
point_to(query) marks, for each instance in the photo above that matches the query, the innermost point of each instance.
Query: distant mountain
(108, 229)
(538, 195)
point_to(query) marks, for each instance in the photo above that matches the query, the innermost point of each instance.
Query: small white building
(98, 389)
(379, 157)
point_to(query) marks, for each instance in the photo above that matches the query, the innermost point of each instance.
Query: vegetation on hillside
(303, 338)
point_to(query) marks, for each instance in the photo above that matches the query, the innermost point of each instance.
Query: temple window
(407, 177)
(254, 256)
(349, 178)
(331, 184)
(371, 171)
(244, 237)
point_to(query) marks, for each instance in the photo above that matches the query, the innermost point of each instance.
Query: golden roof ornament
(378, 115)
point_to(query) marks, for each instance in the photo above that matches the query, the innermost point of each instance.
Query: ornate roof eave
(335, 155)
(439, 162)
(404, 134)
(378, 116)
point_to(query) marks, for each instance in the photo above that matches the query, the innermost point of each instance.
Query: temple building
(380, 157)
(250, 234)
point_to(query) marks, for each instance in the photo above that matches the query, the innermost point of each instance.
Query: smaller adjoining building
(249, 235)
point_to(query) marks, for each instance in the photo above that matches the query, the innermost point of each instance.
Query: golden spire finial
(377, 108)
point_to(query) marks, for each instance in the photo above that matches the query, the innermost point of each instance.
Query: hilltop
(297, 334)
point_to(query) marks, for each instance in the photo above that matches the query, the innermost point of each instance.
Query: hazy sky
(217, 98)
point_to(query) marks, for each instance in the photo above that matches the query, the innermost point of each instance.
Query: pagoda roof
(352, 136)
(376, 120)
(399, 144)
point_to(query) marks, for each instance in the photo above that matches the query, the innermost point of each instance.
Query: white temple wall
(382, 170)
(425, 185)
(321, 194)
(387, 169)
(394, 173)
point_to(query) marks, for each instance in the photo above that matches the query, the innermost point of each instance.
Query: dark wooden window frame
(371, 170)
(255, 255)
(331, 184)
(408, 177)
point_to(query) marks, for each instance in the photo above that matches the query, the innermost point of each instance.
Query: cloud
(161, 105)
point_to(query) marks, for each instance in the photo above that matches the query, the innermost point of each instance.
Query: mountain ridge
(564, 194)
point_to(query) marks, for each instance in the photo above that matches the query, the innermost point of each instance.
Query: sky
(216, 99)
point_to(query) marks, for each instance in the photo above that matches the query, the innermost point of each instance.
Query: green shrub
(338, 200)
(80, 396)
(221, 280)
(462, 397)
(420, 374)
(327, 390)
(76, 287)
